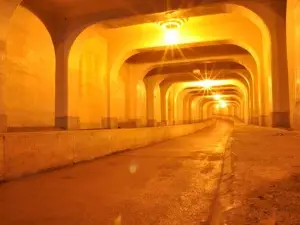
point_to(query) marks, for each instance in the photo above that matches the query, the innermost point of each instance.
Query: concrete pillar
(64, 118)
(3, 117)
(171, 106)
(186, 109)
(293, 50)
(281, 105)
(164, 103)
(150, 86)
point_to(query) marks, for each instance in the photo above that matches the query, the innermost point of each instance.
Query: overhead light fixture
(197, 71)
(171, 28)
(217, 97)
(172, 36)
(222, 104)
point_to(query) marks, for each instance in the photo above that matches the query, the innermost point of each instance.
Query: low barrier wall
(31, 152)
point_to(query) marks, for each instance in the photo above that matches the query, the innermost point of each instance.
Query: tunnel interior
(80, 80)
(128, 65)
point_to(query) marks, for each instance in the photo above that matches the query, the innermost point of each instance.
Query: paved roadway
(168, 183)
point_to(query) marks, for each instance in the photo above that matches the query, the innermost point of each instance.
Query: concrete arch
(243, 108)
(154, 96)
(153, 82)
(260, 16)
(181, 87)
(273, 23)
(267, 66)
(233, 110)
(198, 101)
(33, 63)
(209, 104)
(236, 91)
(250, 67)
(194, 106)
(87, 93)
(126, 54)
(182, 113)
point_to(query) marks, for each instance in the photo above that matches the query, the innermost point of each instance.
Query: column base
(265, 121)
(3, 123)
(151, 123)
(296, 117)
(255, 120)
(163, 123)
(132, 123)
(67, 123)
(90, 126)
(281, 119)
(110, 123)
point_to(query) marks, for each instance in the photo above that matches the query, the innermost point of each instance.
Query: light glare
(223, 104)
(171, 36)
(217, 97)
(207, 84)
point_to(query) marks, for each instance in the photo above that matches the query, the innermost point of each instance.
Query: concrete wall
(30, 79)
(28, 153)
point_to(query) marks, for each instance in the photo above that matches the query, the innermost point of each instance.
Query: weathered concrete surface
(267, 176)
(31, 152)
(168, 183)
(1, 160)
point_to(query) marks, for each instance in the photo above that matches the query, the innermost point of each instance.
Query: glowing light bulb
(206, 84)
(223, 104)
(217, 97)
(171, 36)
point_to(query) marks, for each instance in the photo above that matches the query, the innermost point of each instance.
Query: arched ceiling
(203, 68)
(183, 72)
(118, 13)
(171, 79)
(177, 63)
(185, 52)
(231, 91)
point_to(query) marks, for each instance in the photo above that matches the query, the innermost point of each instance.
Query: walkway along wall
(28, 153)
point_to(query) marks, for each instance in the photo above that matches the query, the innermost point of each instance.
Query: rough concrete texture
(169, 183)
(31, 152)
(1, 160)
(267, 176)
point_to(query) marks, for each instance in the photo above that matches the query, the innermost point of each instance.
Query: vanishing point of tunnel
(149, 112)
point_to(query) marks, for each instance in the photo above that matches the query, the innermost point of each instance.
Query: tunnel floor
(266, 184)
(168, 183)
(174, 182)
